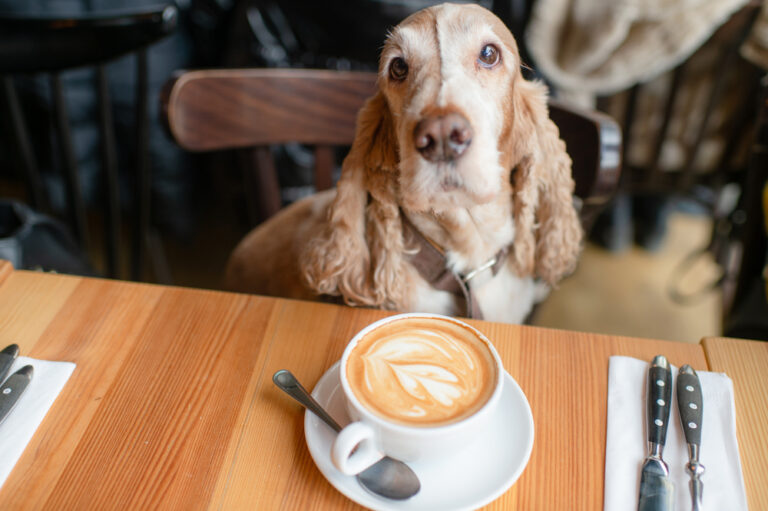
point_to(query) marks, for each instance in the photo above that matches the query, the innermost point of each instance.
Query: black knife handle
(7, 357)
(12, 389)
(658, 400)
(690, 404)
(11, 350)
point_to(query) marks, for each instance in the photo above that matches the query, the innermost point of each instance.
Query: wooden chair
(727, 105)
(746, 293)
(651, 177)
(250, 109)
(34, 45)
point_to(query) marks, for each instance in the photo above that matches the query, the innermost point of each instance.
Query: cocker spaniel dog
(456, 196)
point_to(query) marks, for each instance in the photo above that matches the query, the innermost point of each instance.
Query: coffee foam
(422, 371)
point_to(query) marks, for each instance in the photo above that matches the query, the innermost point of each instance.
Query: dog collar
(432, 265)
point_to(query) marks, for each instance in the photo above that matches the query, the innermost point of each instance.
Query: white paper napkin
(16, 431)
(626, 441)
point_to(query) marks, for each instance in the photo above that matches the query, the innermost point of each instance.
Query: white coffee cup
(372, 435)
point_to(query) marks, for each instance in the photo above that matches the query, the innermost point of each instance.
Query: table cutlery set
(12, 388)
(656, 488)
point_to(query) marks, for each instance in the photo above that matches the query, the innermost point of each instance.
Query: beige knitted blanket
(599, 47)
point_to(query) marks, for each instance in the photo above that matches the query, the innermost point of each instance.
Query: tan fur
(352, 246)
(548, 239)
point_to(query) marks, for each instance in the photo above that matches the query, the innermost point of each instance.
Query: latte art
(421, 371)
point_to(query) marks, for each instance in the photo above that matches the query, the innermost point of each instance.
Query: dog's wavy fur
(360, 253)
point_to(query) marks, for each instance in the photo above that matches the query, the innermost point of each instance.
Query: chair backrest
(32, 45)
(252, 108)
(714, 87)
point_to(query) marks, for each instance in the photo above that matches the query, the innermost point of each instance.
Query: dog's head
(448, 76)
(454, 125)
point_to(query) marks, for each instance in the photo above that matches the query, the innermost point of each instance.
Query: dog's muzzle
(442, 138)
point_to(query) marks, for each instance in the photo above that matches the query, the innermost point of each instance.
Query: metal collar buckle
(486, 265)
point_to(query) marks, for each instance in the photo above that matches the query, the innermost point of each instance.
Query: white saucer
(468, 479)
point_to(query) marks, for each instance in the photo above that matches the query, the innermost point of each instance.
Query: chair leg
(111, 188)
(143, 178)
(37, 196)
(76, 204)
(324, 162)
(160, 266)
(262, 190)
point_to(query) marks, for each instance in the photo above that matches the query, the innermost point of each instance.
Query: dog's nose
(442, 138)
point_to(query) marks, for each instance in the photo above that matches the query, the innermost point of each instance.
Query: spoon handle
(291, 386)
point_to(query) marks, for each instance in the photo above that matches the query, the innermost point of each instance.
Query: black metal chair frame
(31, 45)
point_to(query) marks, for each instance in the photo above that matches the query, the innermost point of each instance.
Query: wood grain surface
(5, 269)
(233, 108)
(172, 406)
(746, 363)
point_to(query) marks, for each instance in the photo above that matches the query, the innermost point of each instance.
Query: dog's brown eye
(398, 69)
(489, 56)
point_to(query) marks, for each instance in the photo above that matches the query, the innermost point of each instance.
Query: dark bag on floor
(32, 241)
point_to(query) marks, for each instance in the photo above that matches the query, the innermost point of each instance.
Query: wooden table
(172, 405)
(746, 362)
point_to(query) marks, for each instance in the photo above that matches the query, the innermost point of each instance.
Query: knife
(12, 389)
(7, 356)
(691, 406)
(656, 489)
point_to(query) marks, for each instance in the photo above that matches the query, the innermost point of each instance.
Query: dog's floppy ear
(339, 261)
(548, 233)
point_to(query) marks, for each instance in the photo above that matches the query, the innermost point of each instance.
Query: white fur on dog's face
(441, 47)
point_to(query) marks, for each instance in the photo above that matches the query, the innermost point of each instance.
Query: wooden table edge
(6, 268)
(711, 343)
(732, 356)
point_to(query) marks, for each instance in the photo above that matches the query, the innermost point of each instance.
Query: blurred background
(678, 253)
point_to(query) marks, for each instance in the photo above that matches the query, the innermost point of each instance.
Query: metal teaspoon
(387, 477)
